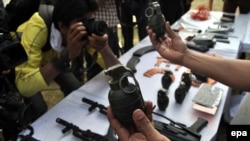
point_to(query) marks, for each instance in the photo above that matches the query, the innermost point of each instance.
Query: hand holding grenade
(156, 20)
(124, 96)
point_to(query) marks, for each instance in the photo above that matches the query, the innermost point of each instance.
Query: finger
(170, 32)
(168, 42)
(113, 121)
(101, 40)
(149, 110)
(121, 131)
(144, 125)
(98, 40)
(72, 29)
(152, 37)
(137, 137)
(77, 31)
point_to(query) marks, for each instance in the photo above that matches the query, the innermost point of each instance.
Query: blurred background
(53, 94)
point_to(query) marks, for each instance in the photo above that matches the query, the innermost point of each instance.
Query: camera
(97, 27)
(156, 20)
(13, 116)
(12, 54)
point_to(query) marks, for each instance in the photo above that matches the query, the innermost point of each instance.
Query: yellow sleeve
(29, 79)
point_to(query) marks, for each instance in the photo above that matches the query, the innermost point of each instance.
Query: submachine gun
(179, 132)
(85, 135)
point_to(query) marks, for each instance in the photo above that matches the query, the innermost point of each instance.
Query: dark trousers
(172, 9)
(3, 23)
(37, 104)
(126, 11)
(186, 6)
(230, 6)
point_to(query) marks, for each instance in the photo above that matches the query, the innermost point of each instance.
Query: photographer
(106, 12)
(68, 37)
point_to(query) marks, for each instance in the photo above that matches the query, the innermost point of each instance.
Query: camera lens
(98, 28)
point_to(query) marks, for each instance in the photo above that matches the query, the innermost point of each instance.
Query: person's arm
(100, 43)
(29, 78)
(109, 57)
(232, 72)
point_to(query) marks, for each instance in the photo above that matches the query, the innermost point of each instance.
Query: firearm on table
(178, 131)
(94, 105)
(85, 135)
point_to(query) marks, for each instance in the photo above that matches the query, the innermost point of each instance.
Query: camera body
(96, 27)
(12, 54)
(156, 20)
(13, 116)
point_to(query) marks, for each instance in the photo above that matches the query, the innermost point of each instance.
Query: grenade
(162, 99)
(124, 96)
(187, 79)
(180, 93)
(167, 79)
(156, 20)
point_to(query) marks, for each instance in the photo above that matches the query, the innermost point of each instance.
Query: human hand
(75, 39)
(99, 43)
(144, 131)
(171, 47)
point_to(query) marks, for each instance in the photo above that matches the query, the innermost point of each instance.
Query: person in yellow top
(68, 37)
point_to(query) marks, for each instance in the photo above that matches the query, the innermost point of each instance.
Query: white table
(72, 109)
(241, 26)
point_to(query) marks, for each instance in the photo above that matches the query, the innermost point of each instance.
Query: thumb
(144, 125)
